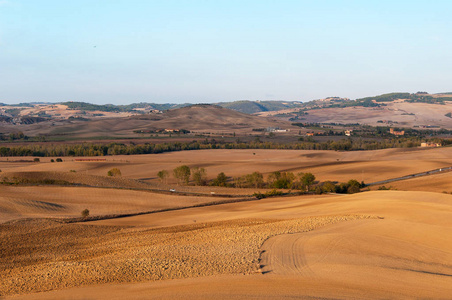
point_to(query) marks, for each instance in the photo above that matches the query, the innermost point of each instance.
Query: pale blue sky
(121, 52)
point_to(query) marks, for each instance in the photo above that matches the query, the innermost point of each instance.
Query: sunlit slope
(367, 166)
(405, 250)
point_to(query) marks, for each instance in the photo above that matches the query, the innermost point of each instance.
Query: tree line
(276, 180)
(85, 149)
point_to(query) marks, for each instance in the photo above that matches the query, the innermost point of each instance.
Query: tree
(182, 174)
(255, 179)
(307, 179)
(85, 213)
(163, 175)
(328, 187)
(353, 186)
(114, 172)
(220, 180)
(280, 180)
(199, 176)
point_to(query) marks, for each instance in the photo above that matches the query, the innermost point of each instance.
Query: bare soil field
(68, 202)
(367, 166)
(374, 244)
(437, 183)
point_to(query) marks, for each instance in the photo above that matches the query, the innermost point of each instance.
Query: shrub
(85, 213)
(52, 160)
(272, 193)
(384, 188)
(36, 159)
(114, 172)
(259, 195)
(59, 160)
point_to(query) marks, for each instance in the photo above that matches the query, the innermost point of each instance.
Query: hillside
(251, 107)
(199, 118)
(81, 110)
(79, 119)
(208, 117)
(141, 238)
(412, 110)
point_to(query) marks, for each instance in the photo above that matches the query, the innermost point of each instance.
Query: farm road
(426, 173)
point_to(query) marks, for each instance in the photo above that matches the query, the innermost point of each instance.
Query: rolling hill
(395, 109)
(200, 118)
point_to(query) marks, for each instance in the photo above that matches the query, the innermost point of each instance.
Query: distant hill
(202, 118)
(134, 107)
(251, 107)
(420, 110)
(420, 97)
(244, 106)
(207, 117)
(401, 109)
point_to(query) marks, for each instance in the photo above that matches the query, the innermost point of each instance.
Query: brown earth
(367, 166)
(352, 259)
(68, 202)
(377, 244)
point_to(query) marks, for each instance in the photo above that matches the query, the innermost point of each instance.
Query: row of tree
(123, 149)
(275, 180)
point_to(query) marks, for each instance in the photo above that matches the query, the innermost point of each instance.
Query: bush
(59, 160)
(351, 187)
(114, 172)
(272, 193)
(85, 213)
(52, 160)
(384, 188)
(36, 159)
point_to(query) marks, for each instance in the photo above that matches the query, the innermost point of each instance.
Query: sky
(200, 51)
